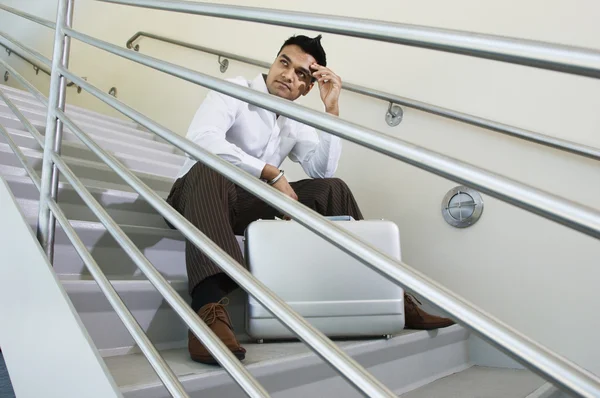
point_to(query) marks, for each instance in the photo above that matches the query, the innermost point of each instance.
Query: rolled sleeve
(317, 152)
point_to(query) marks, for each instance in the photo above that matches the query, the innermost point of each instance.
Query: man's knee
(336, 184)
(202, 173)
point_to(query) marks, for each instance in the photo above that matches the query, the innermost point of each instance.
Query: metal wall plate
(224, 64)
(394, 115)
(462, 207)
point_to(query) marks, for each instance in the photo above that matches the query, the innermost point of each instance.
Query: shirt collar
(259, 84)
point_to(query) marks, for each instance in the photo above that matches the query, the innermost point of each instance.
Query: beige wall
(536, 275)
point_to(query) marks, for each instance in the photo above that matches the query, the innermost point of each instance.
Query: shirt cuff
(253, 165)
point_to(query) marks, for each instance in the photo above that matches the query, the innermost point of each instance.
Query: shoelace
(215, 311)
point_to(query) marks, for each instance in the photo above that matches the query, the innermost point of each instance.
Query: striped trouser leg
(207, 200)
(328, 197)
(221, 210)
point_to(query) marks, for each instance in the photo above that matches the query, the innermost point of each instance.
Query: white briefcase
(336, 293)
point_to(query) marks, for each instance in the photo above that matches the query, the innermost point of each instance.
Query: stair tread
(93, 186)
(133, 371)
(139, 136)
(175, 159)
(12, 91)
(136, 282)
(99, 165)
(38, 116)
(481, 382)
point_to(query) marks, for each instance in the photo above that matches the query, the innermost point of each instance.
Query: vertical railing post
(52, 142)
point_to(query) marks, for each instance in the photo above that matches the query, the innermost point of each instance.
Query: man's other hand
(284, 186)
(269, 172)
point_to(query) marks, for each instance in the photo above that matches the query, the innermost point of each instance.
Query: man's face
(290, 75)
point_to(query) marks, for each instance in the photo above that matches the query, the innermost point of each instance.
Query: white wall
(536, 275)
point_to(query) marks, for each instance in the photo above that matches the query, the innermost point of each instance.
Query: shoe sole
(429, 326)
(211, 361)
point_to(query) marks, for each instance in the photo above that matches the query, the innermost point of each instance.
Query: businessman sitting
(258, 141)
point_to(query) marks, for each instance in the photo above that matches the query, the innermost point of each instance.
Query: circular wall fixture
(462, 207)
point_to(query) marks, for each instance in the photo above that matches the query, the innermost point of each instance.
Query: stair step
(141, 159)
(26, 96)
(39, 108)
(75, 148)
(161, 324)
(124, 205)
(164, 248)
(9, 120)
(291, 369)
(39, 116)
(161, 180)
(478, 382)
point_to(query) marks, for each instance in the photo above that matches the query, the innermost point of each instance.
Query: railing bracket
(6, 74)
(113, 92)
(36, 69)
(394, 115)
(224, 64)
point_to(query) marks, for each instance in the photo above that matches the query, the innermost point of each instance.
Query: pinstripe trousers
(221, 210)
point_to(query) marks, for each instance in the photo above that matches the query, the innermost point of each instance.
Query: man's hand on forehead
(330, 86)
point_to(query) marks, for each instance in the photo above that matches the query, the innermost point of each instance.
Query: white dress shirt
(250, 137)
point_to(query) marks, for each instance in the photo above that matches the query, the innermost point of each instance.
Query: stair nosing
(79, 145)
(38, 123)
(12, 91)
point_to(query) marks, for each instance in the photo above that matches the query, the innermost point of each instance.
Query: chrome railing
(392, 99)
(548, 364)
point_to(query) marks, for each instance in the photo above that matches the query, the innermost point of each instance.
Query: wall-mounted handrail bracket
(224, 64)
(6, 74)
(69, 84)
(394, 115)
(8, 51)
(113, 92)
(36, 69)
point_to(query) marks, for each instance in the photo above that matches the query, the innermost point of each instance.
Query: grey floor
(6, 390)
(481, 382)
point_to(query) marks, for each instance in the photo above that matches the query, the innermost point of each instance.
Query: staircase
(414, 361)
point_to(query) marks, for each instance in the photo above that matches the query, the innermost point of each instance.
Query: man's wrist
(269, 172)
(333, 110)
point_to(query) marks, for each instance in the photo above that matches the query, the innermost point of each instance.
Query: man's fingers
(329, 79)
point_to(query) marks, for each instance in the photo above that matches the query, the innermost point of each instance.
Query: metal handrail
(30, 87)
(573, 215)
(315, 339)
(550, 365)
(32, 130)
(41, 21)
(21, 157)
(542, 139)
(563, 372)
(508, 340)
(552, 142)
(36, 67)
(158, 363)
(557, 57)
(214, 345)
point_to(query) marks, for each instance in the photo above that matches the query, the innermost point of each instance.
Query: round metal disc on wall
(394, 115)
(462, 207)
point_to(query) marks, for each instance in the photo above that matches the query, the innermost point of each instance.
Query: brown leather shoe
(416, 318)
(216, 317)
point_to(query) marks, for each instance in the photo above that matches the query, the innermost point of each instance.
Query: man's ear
(308, 88)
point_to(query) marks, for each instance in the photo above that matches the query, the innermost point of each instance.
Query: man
(258, 141)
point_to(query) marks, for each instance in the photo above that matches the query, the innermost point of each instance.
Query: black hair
(310, 46)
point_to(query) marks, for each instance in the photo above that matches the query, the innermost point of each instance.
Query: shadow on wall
(6, 390)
